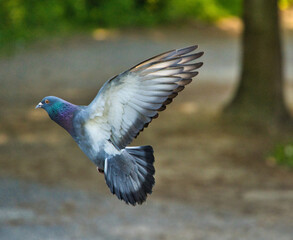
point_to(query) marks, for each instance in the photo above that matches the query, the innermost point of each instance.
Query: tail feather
(130, 174)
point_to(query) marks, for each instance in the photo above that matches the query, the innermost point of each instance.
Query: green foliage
(283, 155)
(21, 20)
(207, 10)
(25, 19)
(283, 4)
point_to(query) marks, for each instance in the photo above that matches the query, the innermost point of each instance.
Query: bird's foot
(100, 170)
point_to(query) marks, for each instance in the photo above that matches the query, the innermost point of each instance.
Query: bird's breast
(93, 139)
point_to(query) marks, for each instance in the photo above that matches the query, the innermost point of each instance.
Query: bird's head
(50, 103)
(59, 111)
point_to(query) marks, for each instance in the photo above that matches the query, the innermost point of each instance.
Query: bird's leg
(100, 170)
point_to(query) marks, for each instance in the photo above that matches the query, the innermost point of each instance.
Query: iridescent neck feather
(62, 113)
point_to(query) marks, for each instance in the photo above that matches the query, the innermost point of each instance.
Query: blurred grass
(25, 20)
(22, 21)
(282, 155)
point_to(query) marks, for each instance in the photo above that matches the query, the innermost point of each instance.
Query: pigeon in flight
(123, 107)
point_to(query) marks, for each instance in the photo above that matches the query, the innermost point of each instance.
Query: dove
(123, 107)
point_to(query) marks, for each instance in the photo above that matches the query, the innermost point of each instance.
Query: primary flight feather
(123, 107)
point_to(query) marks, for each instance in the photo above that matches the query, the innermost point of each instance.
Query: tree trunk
(259, 96)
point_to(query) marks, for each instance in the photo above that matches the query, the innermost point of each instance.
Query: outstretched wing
(130, 100)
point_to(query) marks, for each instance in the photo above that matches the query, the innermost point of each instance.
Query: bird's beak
(39, 105)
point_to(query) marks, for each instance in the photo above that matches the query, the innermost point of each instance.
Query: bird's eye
(47, 101)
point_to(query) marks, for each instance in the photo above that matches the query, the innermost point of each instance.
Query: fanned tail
(130, 175)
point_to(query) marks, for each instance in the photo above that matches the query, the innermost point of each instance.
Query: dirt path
(211, 182)
(33, 211)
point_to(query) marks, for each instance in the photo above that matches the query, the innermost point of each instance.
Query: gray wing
(129, 101)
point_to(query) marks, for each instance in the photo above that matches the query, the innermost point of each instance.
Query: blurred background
(223, 148)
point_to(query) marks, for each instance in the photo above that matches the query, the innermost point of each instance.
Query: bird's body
(93, 137)
(124, 106)
(90, 136)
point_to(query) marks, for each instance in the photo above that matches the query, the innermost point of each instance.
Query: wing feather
(130, 100)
